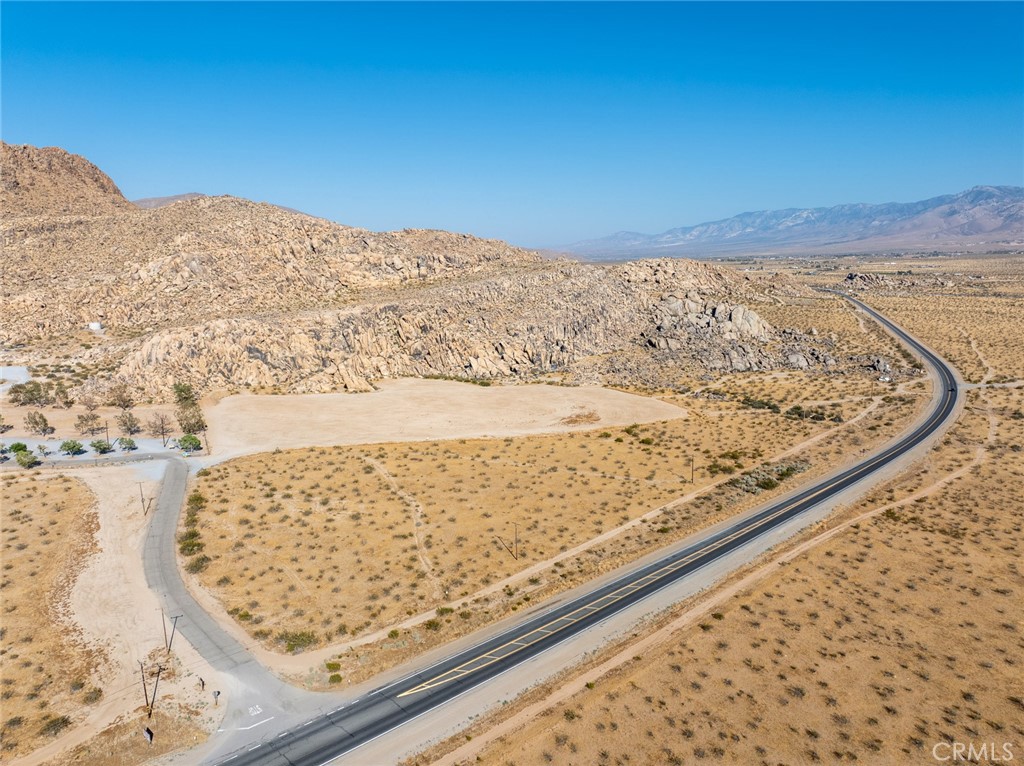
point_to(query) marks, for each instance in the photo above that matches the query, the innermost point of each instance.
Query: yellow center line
(620, 593)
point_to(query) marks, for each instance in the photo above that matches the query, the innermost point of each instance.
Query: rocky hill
(226, 293)
(640, 319)
(53, 182)
(982, 217)
(209, 257)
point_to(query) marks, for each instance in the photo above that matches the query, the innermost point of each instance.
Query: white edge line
(259, 723)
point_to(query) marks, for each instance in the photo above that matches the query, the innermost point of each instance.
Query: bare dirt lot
(419, 410)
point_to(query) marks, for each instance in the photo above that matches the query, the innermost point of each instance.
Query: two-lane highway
(326, 737)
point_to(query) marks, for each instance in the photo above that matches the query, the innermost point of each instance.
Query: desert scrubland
(893, 632)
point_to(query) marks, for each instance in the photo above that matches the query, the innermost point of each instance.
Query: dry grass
(900, 632)
(49, 677)
(309, 547)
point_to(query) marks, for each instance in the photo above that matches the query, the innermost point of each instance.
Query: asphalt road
(321, 739)
(255, 695)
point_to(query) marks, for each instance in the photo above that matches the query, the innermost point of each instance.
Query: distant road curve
(326, 737)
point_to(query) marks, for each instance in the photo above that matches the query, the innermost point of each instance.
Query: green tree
(120, 396)
(31, 393)
(18, 447)
(37, 423)
(184, 394)
(61, 397)
(190, 443)
(190, 419)
(101, 446)
(128, 423)
(26, 459)
(71, 447)
(127, 444)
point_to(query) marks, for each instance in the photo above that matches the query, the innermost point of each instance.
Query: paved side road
(256, 695)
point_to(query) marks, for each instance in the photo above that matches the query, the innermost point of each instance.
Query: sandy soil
(116, 613)
(419, 410)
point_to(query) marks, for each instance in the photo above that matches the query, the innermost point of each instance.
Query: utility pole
(106, 431)
(691, 469)
(142, 499)
(174, 627)
(152, 702)
(145, 691)
(513, 550)
(163, 624)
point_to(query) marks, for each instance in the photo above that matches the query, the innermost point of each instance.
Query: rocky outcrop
(555, 317)
(885, 283)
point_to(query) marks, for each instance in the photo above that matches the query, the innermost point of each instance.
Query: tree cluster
(189, 416)
(34, 393)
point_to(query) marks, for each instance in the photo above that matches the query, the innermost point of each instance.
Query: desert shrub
(297, 640)
(198, 564)
(55, 726)
(760, 404)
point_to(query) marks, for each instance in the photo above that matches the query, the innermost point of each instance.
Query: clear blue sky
(537, 123)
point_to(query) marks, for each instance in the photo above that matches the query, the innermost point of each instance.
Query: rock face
(52, 182)
(555, 317)
(226, 293)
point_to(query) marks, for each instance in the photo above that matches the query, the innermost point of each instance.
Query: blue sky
(538, 123)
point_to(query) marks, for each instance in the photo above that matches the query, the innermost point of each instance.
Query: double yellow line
(525, 641)
(494, 655)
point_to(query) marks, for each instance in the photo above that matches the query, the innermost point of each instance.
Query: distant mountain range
(982, 218)
(151, 203)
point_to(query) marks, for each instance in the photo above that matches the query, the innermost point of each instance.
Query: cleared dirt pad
(420, 410)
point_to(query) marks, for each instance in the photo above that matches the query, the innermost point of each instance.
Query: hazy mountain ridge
(149, 203)
(988, 214)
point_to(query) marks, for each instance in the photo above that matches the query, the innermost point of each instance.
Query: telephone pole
(174, 627)
(145, 691)
(156, 682)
